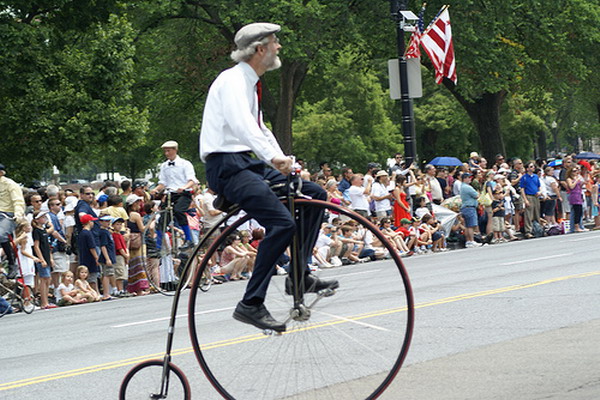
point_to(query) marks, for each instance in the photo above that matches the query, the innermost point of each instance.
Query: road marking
(538, 259)
(148, 321)
(595, 237)
(257, 336)
(354, 322)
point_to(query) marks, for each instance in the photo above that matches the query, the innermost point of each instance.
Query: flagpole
(408, 126)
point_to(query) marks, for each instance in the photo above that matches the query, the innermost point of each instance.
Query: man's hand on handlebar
(282, 164)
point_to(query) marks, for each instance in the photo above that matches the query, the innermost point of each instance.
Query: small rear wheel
(144, 381)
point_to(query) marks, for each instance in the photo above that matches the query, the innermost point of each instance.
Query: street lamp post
(408, 126)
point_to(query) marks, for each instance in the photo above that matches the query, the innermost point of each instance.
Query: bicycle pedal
(271, 332)
(326, 292)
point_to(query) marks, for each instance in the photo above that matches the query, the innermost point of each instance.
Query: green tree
(351, 124)
(66, 93)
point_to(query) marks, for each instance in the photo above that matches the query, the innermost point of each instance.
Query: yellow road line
(259, 336)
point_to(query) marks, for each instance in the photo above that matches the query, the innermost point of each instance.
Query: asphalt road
(518, 320)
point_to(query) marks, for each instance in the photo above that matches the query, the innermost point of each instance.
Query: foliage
(67, 94)
(351, 124)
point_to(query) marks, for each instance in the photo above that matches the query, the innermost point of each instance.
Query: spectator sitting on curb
(65, 293)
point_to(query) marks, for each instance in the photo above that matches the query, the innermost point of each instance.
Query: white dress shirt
(231, 114)
(176, 175)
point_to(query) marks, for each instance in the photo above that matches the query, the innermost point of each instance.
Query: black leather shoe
(312, 284)
(258, 316)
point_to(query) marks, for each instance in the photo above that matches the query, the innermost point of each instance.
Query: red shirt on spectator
(119, 242)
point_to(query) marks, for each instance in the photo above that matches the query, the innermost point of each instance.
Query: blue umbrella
(445, 162)
(588, 155)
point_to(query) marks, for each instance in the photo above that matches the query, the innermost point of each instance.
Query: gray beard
(272, 62)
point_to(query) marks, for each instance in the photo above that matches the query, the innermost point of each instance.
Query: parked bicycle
(344, 343)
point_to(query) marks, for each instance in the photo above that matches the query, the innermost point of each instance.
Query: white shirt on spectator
(207, 206)
(62, 286)
(456, 187)
(379, 189)
(323, 240)
(436, 188)
(358, 199)
(231, 115)
(176, 174)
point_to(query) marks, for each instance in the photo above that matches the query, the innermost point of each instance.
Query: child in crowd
(423, 236)
(245, 245)
(108, 256)
(351, 247)
(83, 286)
(421, 207)
(24, 243)
(498, 215)
(385, 226)
(234, 260)
(115, 207)
(86, 245)
(41, 249)
(438, 239)
(410, 238)
(122, 256)
(65, 293)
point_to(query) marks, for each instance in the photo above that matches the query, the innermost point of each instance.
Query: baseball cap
(2, 167)
(103, 198)
(39, 214)
(106, 218)
(132, 198)
(87, 218)
(405, 221)
(115, 220)
(466, 175)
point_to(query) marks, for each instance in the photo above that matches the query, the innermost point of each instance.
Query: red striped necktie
(259, 93)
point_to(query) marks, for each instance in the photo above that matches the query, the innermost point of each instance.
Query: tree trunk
(485, 114)
(280, 113)
(541, 145)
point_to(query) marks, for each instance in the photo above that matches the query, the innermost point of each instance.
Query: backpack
(554, 230)
(537, 229)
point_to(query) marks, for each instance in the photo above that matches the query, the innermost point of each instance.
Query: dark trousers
(241, 179)
(181, 203)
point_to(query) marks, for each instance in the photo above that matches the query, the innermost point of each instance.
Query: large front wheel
(350, 346)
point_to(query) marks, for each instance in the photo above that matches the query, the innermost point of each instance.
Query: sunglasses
(89, 193)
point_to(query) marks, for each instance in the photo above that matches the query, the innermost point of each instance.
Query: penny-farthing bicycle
(347, 343)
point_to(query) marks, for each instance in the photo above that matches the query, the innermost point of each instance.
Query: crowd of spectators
(78, 246)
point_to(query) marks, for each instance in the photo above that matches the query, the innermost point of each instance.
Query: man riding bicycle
(177, 176)
(236, 146)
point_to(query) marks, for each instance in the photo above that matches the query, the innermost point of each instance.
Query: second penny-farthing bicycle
(347, 343)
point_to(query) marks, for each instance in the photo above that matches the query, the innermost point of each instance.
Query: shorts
(107, 270)
(470, 216)
(549, 207)
(29, 280)
(519, 203)
(61, 262)
(363, 213)
(384, 213)
(436, 236)
(498, 224)
(42, 272)
(93, 277)
(121, 271)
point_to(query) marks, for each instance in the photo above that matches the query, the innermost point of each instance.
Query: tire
(145, 378)
(163, 276)
(352, 346)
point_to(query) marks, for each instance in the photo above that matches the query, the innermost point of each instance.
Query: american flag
(437, 43)
(413, 50)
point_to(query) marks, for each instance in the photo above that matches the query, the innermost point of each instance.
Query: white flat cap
(253, 32)
(170, 144)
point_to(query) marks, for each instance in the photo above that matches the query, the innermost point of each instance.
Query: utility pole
(408, 125)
